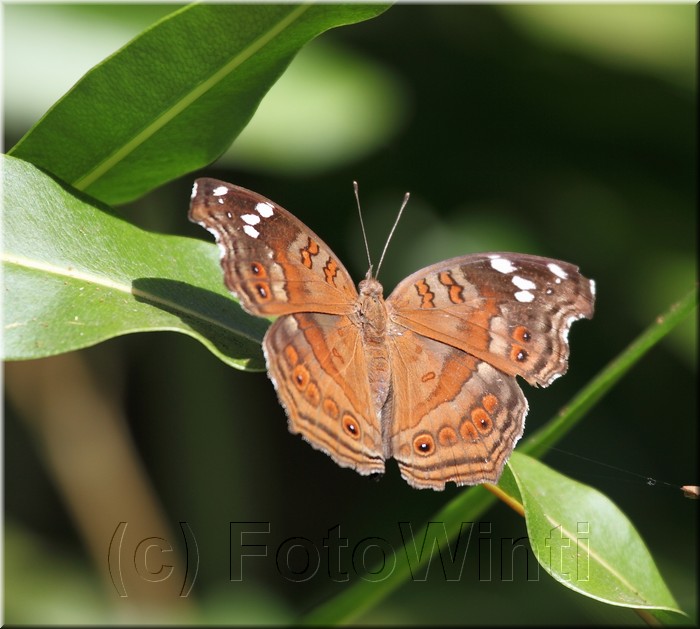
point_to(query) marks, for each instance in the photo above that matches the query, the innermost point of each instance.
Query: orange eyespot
(518, 354)
(424, 445)
(301, 376)
(263, 290)
(257, 269)
(481, 420)
(522, 334)
(350, 426)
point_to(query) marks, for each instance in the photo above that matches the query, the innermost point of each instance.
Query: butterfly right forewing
(512, 310)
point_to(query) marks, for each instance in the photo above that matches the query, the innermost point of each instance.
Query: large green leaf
(174, 98)
(75, 275)
(584, 541)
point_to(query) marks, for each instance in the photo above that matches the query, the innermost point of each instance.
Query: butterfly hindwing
(322, 381)
(454, 417)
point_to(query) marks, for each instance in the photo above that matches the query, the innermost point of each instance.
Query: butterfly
(426, 376)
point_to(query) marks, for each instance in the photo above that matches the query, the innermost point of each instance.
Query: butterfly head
(370, 288)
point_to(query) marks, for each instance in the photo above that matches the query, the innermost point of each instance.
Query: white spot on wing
(264, 209)
(524, 296)
(502, 265)
(592, 287)
(251, 219)
(557, 270)
(523, 283)
(219, 191)
(194, 190)
(251, 231)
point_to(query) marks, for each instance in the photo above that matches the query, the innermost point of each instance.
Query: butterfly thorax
(371, 318)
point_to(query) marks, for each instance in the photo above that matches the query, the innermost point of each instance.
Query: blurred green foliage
(567, 131)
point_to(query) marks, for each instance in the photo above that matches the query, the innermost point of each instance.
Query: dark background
(562, 131)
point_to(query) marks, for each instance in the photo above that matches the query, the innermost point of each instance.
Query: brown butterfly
(426, 376)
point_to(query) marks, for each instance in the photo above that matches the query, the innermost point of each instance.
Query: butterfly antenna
(393, 229)
(362, 225)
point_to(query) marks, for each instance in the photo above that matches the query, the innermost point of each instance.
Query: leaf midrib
(103, 167)
(598, 558)
(129, 289)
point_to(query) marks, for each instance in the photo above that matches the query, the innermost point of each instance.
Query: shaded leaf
(76, 275)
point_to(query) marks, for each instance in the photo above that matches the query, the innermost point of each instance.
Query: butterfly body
(427, 375)
(371, 319)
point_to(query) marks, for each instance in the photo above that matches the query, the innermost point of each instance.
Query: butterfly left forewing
(511, 310)
(271, 261)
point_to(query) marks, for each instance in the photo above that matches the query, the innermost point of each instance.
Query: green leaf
(76, 275)
(585, 542)
(175, 97)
